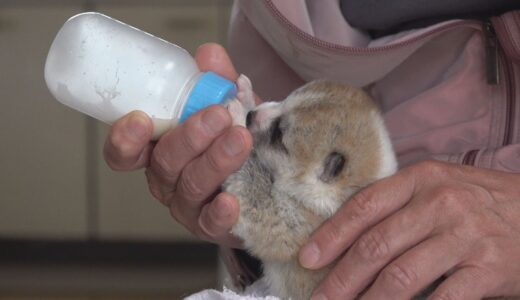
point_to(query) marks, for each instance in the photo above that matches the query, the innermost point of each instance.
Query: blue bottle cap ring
(210, 89)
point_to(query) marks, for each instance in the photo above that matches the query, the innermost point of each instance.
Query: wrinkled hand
(431, 219)
(187, 165)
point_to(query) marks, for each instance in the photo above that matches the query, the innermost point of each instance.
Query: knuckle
(334, 232)
(365, 207)
(188, 186)
(160, 162)
(215, 162)
(431, 167)
(338, 284)
(372, 246)
(399, 277)
(194, 138)
(491, 254)
(462, 234)
(452, 199)
(445, 295)
(471, 227)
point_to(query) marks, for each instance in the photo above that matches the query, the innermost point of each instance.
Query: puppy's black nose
(250, 117)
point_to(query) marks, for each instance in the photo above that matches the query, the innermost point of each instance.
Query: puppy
(311, 152)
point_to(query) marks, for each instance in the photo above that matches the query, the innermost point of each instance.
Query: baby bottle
(105, 69)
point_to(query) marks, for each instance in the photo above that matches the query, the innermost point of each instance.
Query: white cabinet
(42, 149)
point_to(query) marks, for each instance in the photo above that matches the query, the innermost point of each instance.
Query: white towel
(256, 291)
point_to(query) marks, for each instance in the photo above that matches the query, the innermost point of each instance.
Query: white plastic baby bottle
(105, 69)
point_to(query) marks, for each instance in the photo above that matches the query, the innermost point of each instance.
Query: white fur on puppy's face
(264, 114)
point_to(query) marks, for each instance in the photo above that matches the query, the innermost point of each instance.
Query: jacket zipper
(510, 101)
(496, 57)
(492, 49)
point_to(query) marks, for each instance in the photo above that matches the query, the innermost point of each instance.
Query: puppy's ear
(332, 167)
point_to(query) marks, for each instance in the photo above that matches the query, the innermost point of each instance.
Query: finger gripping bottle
(106, 69)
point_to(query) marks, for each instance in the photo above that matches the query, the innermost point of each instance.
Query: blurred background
(70, 228)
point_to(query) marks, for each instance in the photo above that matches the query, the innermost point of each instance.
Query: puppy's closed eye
(276, 138)
(332, 167)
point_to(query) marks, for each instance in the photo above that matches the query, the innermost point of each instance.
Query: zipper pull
(492, 63)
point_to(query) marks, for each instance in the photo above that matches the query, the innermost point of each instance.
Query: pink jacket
(450, 91)
(430, 83)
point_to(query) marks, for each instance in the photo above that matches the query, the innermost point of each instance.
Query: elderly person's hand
(187, 165)
(400, 234)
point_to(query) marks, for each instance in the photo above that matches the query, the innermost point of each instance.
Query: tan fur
(282, 198)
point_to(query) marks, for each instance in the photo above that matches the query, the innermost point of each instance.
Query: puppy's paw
(245, 92)
(238, 112)
(243, 103)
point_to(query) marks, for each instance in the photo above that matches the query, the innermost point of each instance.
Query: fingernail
(234, 143)
(136, 127)
(319, 296)
(213, 121)
(309, 255)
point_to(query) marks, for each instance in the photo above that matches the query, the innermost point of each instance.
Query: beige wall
(54, 183)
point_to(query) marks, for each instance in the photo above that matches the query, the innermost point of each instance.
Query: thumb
(213, 57)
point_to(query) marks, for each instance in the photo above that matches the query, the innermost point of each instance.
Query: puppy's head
(321, 144)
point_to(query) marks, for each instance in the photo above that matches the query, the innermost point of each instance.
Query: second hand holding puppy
(430, 219)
